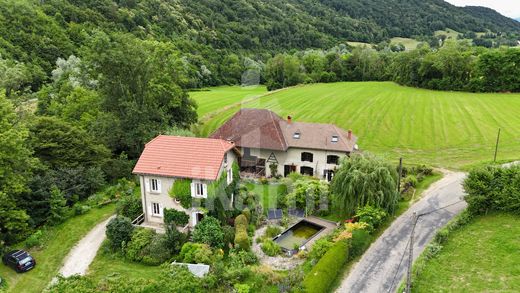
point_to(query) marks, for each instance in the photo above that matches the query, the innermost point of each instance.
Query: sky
(509, 8)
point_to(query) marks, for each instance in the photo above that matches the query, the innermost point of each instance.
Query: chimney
(289, 119)
(349, 134)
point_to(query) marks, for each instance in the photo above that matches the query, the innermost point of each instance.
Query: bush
(242, 288)
(242, 240)
(319, 248)
(247, 212)
(241, 222)
(175, 217)
(174, 239)
(326, 270)
(210, 232)
(360, 241)
(157, 252)
(129, 206)
(141, 238)
(242, 257)
(371, 215)
(229, 235)
(281, 193)
(493, 188)
(411, 181)
(34, 240)
(181, 191)
(271, 248)
(119, 231)
(196, 253)
(272, 231)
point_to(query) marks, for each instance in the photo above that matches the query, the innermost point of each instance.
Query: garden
(239, 244)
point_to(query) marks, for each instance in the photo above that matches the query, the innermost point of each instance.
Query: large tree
(364, 180)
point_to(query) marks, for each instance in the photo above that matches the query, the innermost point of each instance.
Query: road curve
(383, 265)
(81, 256)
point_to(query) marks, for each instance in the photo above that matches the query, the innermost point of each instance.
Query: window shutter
(205, 190)
(161, 210)
(193, 189)
(147, 184)
(159, 185)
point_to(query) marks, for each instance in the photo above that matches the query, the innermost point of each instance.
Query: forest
(85, 84)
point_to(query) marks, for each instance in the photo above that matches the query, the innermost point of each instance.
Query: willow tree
(364, 180)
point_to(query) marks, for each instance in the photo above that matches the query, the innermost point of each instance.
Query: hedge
(241, 238)
(178, 218)
(326, 270)
(241, 222)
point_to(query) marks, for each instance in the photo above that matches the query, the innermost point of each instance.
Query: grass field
(481, 257)
(409, 44)
(217, 98)
(58, 242)
(449, 129)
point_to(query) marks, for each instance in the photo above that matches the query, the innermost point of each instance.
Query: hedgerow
(326, 270)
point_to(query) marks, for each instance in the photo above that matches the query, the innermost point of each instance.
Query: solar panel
(274, 214)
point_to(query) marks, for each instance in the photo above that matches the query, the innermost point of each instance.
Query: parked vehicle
(19, 260)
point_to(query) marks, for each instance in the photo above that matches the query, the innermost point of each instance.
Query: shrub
(34, 240)
(119, 231)
(493, 188)
(141, 238)
(196, 253)
(241, 222)
(229, 235)
(157, 252)
(242, 257)
(242, 288)
(271, 248)
(174, 239)
(359, 242)
(319, 248)
(80, 209)
(181, 191)
(242, 240)
(264, 181)
(272, 231)
(210, 232)
(129, 206)
(411, 181)
(371, 215)
(175, 217)
(281, 193)
(326, 270)
(247, 212)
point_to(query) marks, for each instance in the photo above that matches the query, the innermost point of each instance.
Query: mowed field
(448, 129)
(481, 257)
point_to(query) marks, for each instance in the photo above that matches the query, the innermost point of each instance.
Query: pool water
(298, 235)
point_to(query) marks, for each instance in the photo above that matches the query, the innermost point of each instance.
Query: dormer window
(296, 135)
(335, 138)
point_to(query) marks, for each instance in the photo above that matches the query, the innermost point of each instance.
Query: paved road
(379, 270)
(81, 256)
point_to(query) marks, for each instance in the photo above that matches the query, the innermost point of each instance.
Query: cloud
(509, 8)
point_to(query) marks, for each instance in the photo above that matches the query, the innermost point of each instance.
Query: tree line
(456, 65)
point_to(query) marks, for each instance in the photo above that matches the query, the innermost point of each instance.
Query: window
(296, 135)
(229, 176)
(199, 190)
(156, 209)
(307, 157)
(307, 171)
(333, 160)
(335, 138)
(155, 185)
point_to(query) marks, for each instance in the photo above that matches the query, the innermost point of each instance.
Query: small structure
(166, 159)
(274, 214)
(198, 270)
(269, 143)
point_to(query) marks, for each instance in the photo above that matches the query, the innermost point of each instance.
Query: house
(269, 144)
(166, 159)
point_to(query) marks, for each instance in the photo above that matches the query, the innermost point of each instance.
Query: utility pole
(400, 174)
(410, 256)
(496, 147)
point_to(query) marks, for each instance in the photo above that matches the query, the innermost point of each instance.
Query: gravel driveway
(383, 266)
(84, 252)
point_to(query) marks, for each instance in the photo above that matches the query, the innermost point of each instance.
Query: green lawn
(108, 265)
(58, 242)
(410, 44)
(217, 98)
(481, 257)
(449, 129)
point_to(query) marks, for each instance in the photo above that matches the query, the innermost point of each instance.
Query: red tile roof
(183, 157)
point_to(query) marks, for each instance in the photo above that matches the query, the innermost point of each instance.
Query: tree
(58, 206)
(210, 232)
(363, 180)
(119, 231)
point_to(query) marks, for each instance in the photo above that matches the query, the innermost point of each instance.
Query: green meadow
(448, 129)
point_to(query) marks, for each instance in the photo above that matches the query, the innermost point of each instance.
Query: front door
(197, 217)
(307, 171)
(288, 169)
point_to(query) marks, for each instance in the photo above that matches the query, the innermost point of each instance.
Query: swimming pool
(297, 235)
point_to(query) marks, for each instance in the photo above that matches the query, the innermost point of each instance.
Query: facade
(266, 141)
(169, 158)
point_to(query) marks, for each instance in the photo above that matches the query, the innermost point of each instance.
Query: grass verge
(57, 243)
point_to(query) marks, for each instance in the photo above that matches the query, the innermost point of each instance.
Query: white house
(265, 139)
(169, 158)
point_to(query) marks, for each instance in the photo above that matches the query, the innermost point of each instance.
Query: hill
(440, 128)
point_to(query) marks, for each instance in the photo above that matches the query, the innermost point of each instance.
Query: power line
(441, 208)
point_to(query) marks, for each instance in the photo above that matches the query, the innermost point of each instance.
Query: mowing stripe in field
(450, 129)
